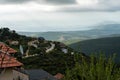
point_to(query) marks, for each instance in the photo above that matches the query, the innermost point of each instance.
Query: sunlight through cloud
(87, 2)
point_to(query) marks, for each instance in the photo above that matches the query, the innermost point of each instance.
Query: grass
(100, 68)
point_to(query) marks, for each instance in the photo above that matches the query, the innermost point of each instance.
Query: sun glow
(47, 8)
(27, 7)
(87, 2)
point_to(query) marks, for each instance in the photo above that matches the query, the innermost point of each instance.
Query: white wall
(22, 76)
(7, 74)
(10, 74)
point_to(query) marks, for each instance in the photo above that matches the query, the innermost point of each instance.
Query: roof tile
(6, 48)
(8, 61)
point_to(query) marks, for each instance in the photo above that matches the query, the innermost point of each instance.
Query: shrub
(100, 68)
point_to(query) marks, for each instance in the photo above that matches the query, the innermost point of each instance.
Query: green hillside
(39, 53)
(107, 45)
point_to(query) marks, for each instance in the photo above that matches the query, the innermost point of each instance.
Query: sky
(57, 15)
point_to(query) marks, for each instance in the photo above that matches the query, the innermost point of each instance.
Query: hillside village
(12, 69)
(35, 58)
(21, 56)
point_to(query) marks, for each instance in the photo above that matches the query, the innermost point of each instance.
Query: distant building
(14, 43)
(59, 76)
(64, 50)
(72, 53)
(11, 69)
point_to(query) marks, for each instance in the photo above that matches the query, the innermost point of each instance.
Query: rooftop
(5, 48)
(8, 61)
(59, 76)
(40, 74)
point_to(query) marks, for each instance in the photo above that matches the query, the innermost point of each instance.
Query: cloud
(61, 1)
(92, 5)
(13, 1)
(73, 5)
(38, 1)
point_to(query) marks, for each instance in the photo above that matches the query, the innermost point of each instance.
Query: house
(11, 69)
(59, 76)
(64, 50)
(63, 47)
(72, 53)
(14, 43)
(6, 48)
(40, 75)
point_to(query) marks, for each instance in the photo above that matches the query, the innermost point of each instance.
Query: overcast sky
(57, 15)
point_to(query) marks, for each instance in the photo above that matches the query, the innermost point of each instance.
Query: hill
(69, 37)
(37, 53)
(65, 37)
(107, 45)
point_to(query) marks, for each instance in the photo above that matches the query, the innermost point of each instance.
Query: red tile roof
(59, 76)
(8, 61)
(6, 48)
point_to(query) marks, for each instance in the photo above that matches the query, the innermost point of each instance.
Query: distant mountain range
(108, 45)
(69, 37)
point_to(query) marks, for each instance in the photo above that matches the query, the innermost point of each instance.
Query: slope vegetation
(109, 46)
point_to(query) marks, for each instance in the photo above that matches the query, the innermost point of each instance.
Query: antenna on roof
(21, 50)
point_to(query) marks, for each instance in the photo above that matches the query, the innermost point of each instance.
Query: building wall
(19, 75)
(6, 74)
(10, 74)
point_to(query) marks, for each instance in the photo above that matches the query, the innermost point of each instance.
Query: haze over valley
(68, 37)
